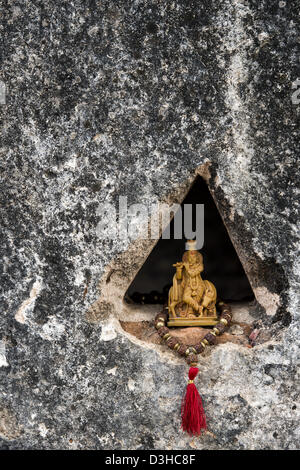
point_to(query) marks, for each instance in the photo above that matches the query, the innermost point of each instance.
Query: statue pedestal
(201, 321)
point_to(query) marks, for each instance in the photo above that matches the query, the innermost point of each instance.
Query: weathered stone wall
(109, 98)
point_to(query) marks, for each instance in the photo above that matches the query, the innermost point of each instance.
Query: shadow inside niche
(221, 262)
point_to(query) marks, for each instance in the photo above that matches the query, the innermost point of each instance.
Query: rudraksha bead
(182, 350)
(226, 316)
(226, 312)
(171, 342)
(210, 338)
(221, 327)
(192, 358)
(161, 315)
(199, 348)
(163, 331)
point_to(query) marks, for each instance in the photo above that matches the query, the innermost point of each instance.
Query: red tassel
(192, 413)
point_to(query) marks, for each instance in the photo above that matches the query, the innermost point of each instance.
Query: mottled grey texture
(109, 98)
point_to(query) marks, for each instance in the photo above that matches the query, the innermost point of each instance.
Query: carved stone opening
(221, 262)
(136, 319)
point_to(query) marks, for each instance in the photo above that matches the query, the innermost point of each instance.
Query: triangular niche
(221, 262)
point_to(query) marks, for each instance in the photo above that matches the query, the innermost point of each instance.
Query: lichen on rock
(135, 98)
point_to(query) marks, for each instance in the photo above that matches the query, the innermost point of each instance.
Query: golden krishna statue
(192, 300)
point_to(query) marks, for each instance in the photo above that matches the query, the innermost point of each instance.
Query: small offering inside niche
(192, 300)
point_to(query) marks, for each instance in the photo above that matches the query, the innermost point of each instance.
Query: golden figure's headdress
(191, 245)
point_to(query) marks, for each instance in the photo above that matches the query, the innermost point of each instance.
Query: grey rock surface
(134, 98)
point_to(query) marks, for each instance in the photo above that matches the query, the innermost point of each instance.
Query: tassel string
(193, 419)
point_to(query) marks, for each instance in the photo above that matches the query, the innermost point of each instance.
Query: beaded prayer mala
(192, 414)
(190, 352)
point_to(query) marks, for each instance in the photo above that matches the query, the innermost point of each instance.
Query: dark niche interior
(221, 263)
